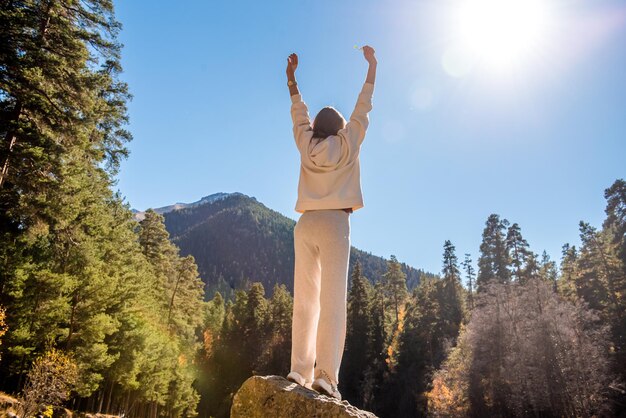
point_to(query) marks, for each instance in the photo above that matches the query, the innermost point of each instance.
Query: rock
(276, 397)
(8, 405)
(61, 412)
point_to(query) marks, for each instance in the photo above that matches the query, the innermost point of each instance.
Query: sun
(500, 34)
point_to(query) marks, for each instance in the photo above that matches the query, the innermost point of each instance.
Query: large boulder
(276, 397)
(8, 405)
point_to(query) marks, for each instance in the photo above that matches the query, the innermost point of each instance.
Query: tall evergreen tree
(255, 327)
(601, 284)
(432, 323)
(62, 111)
(279, 346)
(532, 268)
(59, 65)
(214, 319)
(615, 222)
(421, 350)
(615, 231)
(567, 279)
(186, 291)
(493, 262)
(596, 273)
(395, 285)
(470, 276)
(230, 362)
(517, 249)
(358, 339)
(178, 295)
(548, 270)
(451, 297)
(377, 370)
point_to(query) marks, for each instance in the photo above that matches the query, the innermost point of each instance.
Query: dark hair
(328, 122)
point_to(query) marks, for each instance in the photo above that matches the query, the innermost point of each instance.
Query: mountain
(176, 206)
(236, 240)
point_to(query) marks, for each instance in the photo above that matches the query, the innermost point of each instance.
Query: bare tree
(49, 382)
(526, 352)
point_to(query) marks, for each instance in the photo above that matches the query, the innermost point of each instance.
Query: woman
(329, 190)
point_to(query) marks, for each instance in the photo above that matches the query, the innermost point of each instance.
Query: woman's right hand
(292, 64)
(368, 53)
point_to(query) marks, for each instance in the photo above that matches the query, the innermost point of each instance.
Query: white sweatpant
(322, 250)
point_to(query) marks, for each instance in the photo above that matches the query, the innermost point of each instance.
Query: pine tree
(279, 345)
(377, 369)
(432, 323)
(595, 272)
(548, 270)
(615, 231)
(230, 363)
(595, 279)
(71, 293)
(255, 327)
(358, 339)
(62, 111)
(567, 280)
(451, 297)
(59, 66)
(222, 372)
(615, 222)
(421, 350)
(532, 268)
(178, 295)
(395, 285)
(185, 310)
(470, 276)
(517, 249)
(493, 262)
(214, 319)
(158, 249)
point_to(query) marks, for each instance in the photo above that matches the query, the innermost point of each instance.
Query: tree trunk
(70, 333)
(101, 394)
(107, 409)
(10, 138)
(127, 405)
(169, 314)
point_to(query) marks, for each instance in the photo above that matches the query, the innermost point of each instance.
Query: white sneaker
(325, 385)
(296, 377)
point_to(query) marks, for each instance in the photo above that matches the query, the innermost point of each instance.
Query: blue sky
(536, 144)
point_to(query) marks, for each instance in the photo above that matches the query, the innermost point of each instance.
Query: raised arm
(368, 53)
(292, 64)
(302, 130)
(357, 125)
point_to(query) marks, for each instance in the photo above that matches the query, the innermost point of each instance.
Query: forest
(102, 313)
(522, 336)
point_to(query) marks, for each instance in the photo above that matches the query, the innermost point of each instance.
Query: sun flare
(499, 34)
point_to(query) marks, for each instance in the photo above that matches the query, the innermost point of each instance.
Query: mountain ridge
(236, 240)
(139, 215)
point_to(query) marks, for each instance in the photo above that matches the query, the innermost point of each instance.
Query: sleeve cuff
(368, 88)
(296, 98)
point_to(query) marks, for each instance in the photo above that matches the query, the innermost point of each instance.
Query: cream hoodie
(330, 176)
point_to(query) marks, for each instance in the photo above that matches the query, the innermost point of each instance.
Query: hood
(325, 153)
